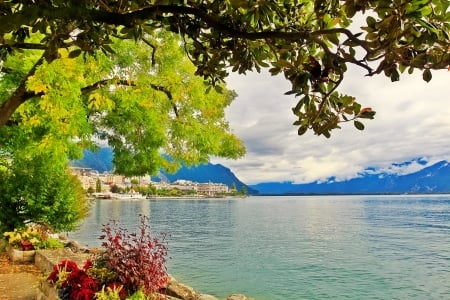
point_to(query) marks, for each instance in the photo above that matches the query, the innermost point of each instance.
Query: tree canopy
(147, 105)
(311, 42)
(153, 112)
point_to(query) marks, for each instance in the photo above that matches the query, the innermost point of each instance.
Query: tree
(310, 42)
(244, 190)
(39, 189)
(141, 107)
(114, 189)
(90, 190)
(98, 185)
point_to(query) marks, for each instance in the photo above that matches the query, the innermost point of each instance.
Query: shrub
(31, 237)
(72, 282)
(138, 259)
(132, 265)
(113, 291)
(37, 189)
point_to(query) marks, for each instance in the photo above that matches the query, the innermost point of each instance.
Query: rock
(73, 246)
(181, 291)
(207, 297)
(238, 297)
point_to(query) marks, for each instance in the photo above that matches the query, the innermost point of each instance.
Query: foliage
(38, 189)
(78, 100)
(31, 237)
(312, 43)
(90, 190)
(128, 101)
(112, 292)
(98, 185)
(73, 283)
(132, 266)
(50, 243)
(137, 258)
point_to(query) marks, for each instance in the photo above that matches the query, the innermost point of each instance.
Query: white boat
(129, 196)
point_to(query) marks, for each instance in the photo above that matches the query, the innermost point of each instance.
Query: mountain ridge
(428, 180)
(432, 179)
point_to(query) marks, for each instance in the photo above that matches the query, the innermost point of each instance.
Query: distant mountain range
(429, 180)
(100, 160)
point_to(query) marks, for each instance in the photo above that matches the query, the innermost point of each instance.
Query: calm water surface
(324, 247)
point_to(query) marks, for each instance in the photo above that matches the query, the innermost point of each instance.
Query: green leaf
(371, 22)
(302, 130)
(107, 48)
(358, 125)
(75, 53)
(426, 75)
(333, 38)
(395, 75)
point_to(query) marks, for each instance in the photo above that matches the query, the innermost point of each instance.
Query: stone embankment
(46, 259)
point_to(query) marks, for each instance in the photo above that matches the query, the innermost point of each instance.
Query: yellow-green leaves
(97, 101)
(220, 36)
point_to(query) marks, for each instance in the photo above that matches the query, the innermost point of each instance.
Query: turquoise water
(321, 247)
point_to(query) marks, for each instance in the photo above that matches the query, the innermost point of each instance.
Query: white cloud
(412, 121)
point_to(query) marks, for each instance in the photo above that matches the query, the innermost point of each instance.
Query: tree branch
(21, 94)
(168, 94)
(132, 18)
(153, 50)
(102, 83)
(29, 46)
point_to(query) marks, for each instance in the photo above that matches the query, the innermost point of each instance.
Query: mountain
(100, 160)
(217, 173)
(206, 173)
(433, 179)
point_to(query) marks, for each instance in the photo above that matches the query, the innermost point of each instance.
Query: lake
(298, 247)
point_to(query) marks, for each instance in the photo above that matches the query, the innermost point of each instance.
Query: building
(212, 189)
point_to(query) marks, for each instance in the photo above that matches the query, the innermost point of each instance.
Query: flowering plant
(73, 282)
(24, 238)
(132, 266)
(30, 238)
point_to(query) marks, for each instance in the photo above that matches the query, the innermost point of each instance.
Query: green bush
(50, 243)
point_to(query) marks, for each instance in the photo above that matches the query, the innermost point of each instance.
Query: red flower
(88, 264)
(83, 286)
(65, 266)
(26, 245)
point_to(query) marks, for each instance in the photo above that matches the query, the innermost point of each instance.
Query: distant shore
(136, 196)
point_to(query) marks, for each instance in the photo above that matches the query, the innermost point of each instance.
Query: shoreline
(175, 290)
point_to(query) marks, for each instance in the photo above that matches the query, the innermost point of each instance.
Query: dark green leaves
(358, 125)
(426, 75)
(310, 42)
(75, 53)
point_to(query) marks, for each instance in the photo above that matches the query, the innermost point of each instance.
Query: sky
(412, 125)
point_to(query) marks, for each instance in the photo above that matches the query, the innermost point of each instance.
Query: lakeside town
(108, 185)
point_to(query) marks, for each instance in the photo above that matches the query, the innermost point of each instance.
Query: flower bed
(22, 243)
(132, 266)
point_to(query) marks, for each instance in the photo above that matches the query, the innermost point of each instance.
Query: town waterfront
(298, 247)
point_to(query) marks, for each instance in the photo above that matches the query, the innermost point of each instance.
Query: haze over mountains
(432, 179)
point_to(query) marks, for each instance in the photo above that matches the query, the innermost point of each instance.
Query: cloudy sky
(412, 121)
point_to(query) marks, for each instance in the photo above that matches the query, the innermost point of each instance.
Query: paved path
(18, 286)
